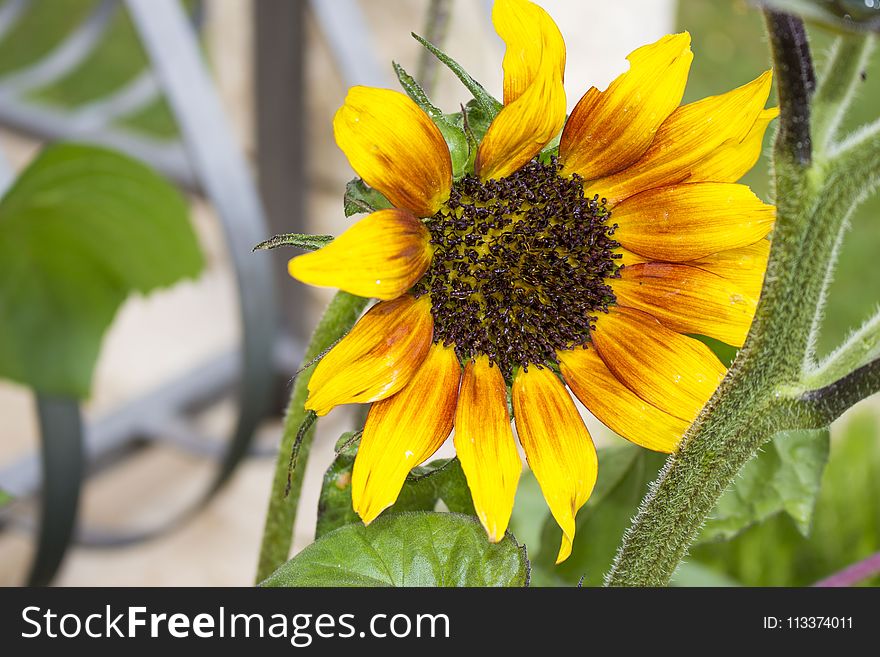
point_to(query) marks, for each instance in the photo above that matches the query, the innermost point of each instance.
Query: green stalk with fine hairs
(338, 319)
(774, 384)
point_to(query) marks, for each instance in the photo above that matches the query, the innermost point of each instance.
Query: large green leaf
(80, 230)
(624, 474)
(5, 498)
(846, 522)
(408, 549)
(424, 487)
(785, 477)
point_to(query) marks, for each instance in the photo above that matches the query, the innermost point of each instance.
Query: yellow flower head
(588, 270)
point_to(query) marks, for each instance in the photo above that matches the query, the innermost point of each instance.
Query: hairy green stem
(338, 319)
(860, 347)
(839, 82)
(744, 412)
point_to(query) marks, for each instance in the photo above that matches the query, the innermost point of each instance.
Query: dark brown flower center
(520, 266)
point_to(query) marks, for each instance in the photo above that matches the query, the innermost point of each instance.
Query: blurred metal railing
(205, 159)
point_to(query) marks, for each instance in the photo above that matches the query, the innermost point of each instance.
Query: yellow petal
(532, 40)
(688, 300)
(692, 133)
(522, 129)
(485, 446)
(377, 358)
(616, 406)
(687, 222)
(403, 431)
(381, 256)
(627, 258)
(609, 130)
(534, 98)
(395, 148)
(744, 267)
(673, 372)
(734, 158)
(558, 447)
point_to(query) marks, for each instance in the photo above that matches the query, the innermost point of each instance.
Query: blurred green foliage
(117, 60)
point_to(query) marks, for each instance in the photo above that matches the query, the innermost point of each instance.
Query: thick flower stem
(339, 317)
(747, 408)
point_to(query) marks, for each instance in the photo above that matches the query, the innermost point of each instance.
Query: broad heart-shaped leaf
(624, 474)
(80, 230)
(786, 476)
(408, 549)
(442, 479)
(360, 197)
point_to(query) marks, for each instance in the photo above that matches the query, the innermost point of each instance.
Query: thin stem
(339, 317)
(819, 408)
(852, 575)
(837, 86)
(859, 347)
(795, 81)
(436, 28)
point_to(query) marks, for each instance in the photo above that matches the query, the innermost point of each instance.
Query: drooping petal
(616, 406)
(692, 133)
(734, 158)
(395, 148)
(609, 130)
(673, 372)
(523, 128)
(534, 97)
(381, 256)
(532, 41)
(744, 267)
(687, 299)
(403, 431)
(485, 445)
(377, 358)
(689, 221)
(558, 447)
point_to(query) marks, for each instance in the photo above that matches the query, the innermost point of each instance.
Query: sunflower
(586, 271)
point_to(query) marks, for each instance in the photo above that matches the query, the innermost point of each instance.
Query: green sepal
(360, 197)
(483, 97)
(296, 240)
(454, 136)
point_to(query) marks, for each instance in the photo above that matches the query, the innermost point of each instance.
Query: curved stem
(339, 317)
(744, 412)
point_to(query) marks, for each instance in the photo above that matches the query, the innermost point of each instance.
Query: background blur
(281, 72)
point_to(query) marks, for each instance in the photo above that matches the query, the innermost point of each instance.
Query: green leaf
(846, 521)
(786, 476)
(80, 230)
(424, 487)
(5, 498)
(452, 134)
(408, 549)
(624, 474)
(359, 198)
(483, 97)
(297, 240)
